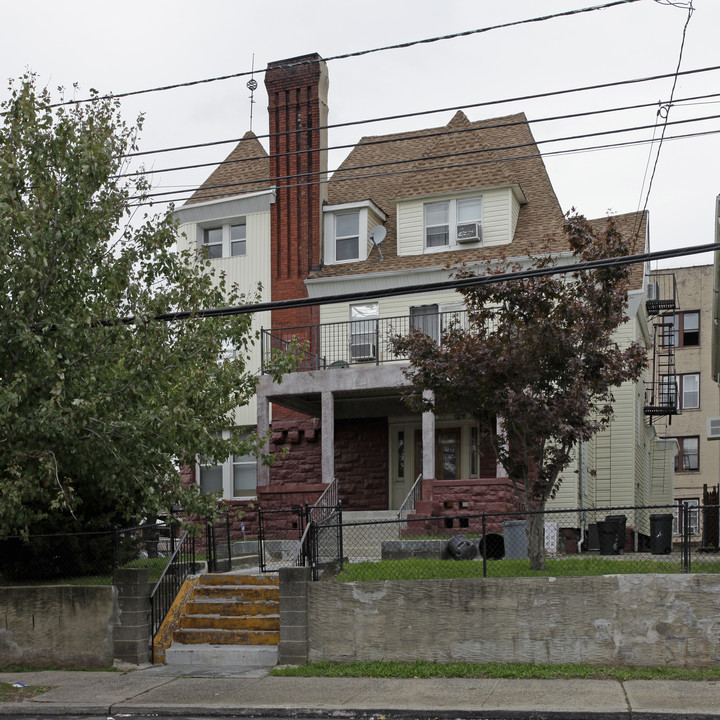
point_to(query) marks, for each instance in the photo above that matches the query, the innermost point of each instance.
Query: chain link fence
(570, 542)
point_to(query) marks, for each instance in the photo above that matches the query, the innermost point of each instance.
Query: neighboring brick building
(399, 210)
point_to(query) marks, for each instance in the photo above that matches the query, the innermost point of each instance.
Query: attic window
(226, 240)
(347, 239)
(452, 223)
(345, 230)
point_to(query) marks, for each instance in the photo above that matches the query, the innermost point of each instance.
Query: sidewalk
(164, 691)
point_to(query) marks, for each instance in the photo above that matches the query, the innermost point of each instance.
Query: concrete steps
(231, 619)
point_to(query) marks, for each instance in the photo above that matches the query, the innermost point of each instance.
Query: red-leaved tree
(535, 364)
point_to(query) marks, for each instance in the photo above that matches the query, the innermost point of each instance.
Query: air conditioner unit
(362, 351)
(653, 291)
(713, 428)
(469, 232)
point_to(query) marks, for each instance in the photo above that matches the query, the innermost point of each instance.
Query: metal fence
(571, 542)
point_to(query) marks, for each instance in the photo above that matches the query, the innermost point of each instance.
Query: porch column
(263, 426)
(328, 437)
(428, 440)
(500, 472)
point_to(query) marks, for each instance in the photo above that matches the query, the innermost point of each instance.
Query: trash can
(620, 522)
(494, 546)
(661, 534)
(460, 548)
(607, 537)
(516, 540)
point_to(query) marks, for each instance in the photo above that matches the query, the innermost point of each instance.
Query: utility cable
(357, 53)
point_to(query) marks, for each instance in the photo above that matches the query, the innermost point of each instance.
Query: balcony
(353, 343)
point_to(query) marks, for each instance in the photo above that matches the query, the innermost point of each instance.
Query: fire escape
(661, 392)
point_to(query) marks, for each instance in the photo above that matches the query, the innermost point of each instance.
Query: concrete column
(328, 437)
(132, 633)
(263, 426)
(293, 647)
(428, 440)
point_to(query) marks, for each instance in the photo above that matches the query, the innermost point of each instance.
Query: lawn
(572, 566)
(422, 669)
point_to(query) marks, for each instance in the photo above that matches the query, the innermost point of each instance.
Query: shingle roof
(246, 169)
(463, 155)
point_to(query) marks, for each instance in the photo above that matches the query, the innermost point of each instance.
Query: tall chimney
(297, 107)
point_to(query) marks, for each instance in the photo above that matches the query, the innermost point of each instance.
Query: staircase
(230, 620)
(364, 542)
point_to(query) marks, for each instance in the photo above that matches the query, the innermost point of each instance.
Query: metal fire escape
(661, 391)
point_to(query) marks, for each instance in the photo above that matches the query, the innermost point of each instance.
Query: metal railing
(408, 504)
(216, 532)
(181, 564)
(359, 342)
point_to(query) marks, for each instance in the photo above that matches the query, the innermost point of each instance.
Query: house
(397, 212)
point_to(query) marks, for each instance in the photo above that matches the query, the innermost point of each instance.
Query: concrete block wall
(294, 583)
(643, 620)
(132, 631)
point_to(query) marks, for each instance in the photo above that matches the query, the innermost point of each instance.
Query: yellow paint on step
(164, 636)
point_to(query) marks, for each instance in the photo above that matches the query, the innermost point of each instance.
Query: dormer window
(449, 223)
(346, 229)
(347, 240)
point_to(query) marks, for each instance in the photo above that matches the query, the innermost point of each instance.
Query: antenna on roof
(377, 235)
(252, 87)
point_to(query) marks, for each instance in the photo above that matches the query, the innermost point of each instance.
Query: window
(426, 319)
(449, 223)
(363, 332)
(693, 516)
(227, 240)
(212, 242)
(234, 478)
(685, 331)
(347, 236)
(681, 390)
(688, 457)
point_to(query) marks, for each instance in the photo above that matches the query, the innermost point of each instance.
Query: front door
(447, 452)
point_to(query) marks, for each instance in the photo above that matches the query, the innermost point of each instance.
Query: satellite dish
(377, 235)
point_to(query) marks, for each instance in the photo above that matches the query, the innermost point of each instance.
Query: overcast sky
(132, 45)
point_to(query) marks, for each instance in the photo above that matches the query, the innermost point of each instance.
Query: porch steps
(231, 619)
(364, 542)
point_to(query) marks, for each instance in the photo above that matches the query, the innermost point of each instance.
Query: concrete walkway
(217, 692)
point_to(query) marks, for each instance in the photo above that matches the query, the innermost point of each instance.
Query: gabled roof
(463, 155)
(246, 169)
(633, 226)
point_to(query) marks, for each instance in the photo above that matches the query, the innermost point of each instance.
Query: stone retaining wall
(645, 620)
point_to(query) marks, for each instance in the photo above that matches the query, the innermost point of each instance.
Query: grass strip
(519, 671)
(9, 693)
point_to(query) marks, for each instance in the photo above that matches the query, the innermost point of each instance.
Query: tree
(96, 413)
(535, 366)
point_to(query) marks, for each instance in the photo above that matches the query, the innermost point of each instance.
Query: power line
(455, 284)
(455, 108)
(357, 53)
(420, 135)
(407, 161)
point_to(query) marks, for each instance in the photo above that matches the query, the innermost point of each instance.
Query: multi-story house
(685, 332)
(370, 249)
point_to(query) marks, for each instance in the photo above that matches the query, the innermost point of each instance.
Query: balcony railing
(356, 342)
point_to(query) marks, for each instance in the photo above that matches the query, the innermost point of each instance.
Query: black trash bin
(620, 522)
(607, 537)
(661, 534)
(494, 545)
(460, 548)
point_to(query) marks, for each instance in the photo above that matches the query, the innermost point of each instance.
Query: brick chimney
(297, 107)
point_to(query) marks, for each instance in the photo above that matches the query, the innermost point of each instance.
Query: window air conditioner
(713, 428)
(362, 351)
(469, 232)
(653, 291)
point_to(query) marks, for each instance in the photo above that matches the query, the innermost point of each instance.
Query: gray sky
(131, 45)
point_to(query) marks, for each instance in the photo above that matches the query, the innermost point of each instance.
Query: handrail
(328, 500)
(410, 499)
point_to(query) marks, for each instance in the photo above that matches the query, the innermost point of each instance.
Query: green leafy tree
(96, 414)
(536, 365)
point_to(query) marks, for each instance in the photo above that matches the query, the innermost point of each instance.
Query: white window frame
(226, 243)
(228, 476)
(453, 206)
(364, 319)
(331, 212)
(677, 383)
(694, 505)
